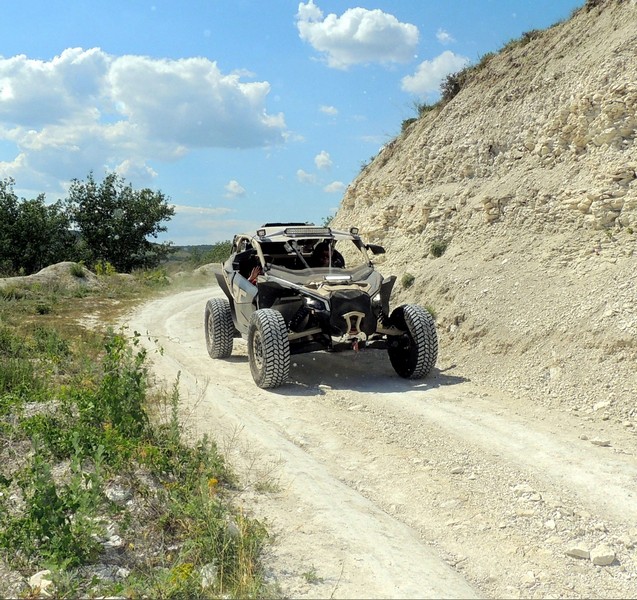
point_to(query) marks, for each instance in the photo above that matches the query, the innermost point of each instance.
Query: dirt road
(377, 487)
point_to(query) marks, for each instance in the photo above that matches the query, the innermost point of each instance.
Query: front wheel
(268, 348)
(414, 353)
(219, 328)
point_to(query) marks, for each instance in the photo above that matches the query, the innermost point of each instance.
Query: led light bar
(308, 231)
(338, 278)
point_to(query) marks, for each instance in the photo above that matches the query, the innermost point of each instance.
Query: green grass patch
(76, 423)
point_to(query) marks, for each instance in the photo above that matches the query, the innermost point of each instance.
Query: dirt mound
(527, 182)
(67, 275)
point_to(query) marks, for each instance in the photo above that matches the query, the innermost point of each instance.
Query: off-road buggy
(289, 291)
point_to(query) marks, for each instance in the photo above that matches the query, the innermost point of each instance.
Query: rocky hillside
(528, 178)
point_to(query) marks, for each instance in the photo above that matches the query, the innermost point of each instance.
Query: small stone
(523, 488)
(600, 442)
(578, 551)
(602, 555)
(583, 437)
(452, 523)
(118, 494)
(528, 579)
(209, 575)
(114, 542)
(40, 582)
(550, 524)
(457, 471)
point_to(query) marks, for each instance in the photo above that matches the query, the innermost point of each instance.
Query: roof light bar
(308, 231)
(338, 278)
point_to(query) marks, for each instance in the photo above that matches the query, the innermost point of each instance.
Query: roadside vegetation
(100, 485)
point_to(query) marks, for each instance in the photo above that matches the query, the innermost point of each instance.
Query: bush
(77, 270)
(453, 83)
(438, 248)
(407, 280)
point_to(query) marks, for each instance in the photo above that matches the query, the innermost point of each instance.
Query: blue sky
(240, 111)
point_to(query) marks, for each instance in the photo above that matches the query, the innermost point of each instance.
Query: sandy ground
(376, 487)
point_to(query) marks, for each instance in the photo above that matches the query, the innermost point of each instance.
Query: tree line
(98, 222)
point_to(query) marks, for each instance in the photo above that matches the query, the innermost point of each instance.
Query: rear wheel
(268, 348)
(219, 328)
(413, 354)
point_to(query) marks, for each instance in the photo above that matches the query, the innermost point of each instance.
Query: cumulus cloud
(430, 74)
(336, 187)
(86, 110)
(332, 111)
(323, 160)
(305, 177)
(357, 36)
(234, 189)
(444, 37)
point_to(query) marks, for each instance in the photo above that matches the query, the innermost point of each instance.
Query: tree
(115, 222)
(43, 234)
(32, 233)
(8, 213)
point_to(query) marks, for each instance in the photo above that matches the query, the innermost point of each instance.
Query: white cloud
(234, 189)
(335, 187)
(135, 171)
(357, 36)
(201, 211)
(189, 101)
(88, 110)
(430, 74)
(444, 37)
(305, 177)
(332, 111)
(323, 160)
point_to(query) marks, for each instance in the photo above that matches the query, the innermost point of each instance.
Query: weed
(453, 83)
(78, 415)
(12, 292)
(311, 576)
(50, 343)
(406, 123)
(154, 278)
(43, 308)
(104, 269)
(407, 280)
(19, 381)
(77, 270)
(438, 248)
(431, 310)
(56, 524)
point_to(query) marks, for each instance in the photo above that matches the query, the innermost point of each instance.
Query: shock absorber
(297, 320)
